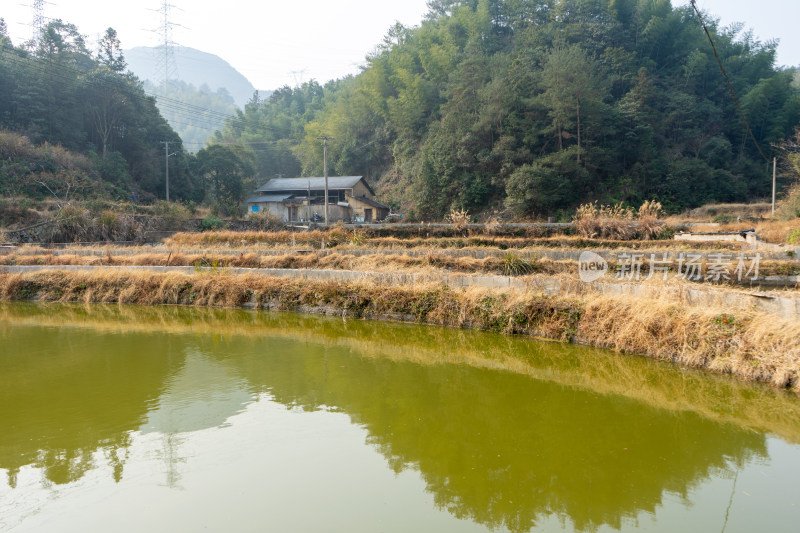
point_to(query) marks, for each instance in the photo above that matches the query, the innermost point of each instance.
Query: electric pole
(774, 165)
(167, 155)
(325, 173)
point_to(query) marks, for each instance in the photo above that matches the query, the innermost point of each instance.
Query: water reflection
(65, 395)
(504, 431)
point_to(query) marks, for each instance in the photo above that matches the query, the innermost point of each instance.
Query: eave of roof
(267, 198)
(314, 183)
(370, 201)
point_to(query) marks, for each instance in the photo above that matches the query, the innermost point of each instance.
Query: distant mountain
(194, 68)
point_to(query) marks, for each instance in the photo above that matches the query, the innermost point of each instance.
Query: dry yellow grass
(774, 231)
(431, 262)
(511, 263)
(754, 346)
(749, 345)
(271, 241)
(707, 212)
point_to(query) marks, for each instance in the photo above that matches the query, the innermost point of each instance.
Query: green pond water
(173, 419)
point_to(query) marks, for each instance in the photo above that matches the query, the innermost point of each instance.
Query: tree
(545, 186)
(571, 79)
(110, 52)
(224, 171)
(106, 99)
(5, 40)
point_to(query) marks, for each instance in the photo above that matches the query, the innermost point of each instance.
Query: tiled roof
(315, 184)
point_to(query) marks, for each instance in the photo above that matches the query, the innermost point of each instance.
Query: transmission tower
(298, 76)
(38, 22)
(166, 67)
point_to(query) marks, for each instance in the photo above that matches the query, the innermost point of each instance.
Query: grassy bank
(494, 261)
(749, 345)
(403, 240)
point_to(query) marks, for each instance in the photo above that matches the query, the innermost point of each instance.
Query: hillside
(193, 67)
(194, 113)
(535, 106)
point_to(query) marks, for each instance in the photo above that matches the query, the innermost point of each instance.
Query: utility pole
(774, 165)
(167, 155)
(325, 173)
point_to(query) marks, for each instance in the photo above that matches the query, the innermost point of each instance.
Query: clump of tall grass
(596, 221)
(793, 237)
(604, 221)
(512, 264)
(211, 266)
(648, 225)
(358, 237)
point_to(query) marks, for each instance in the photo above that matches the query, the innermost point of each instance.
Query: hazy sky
(278, 43)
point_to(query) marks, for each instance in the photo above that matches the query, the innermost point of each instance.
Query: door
(367, 215)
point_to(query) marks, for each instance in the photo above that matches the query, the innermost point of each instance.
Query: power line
(183, 113)
(69, 74)
(730, 85)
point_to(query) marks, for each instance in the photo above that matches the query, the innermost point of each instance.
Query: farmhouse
(350, 199)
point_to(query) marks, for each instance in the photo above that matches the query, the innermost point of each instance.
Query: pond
(178, 419)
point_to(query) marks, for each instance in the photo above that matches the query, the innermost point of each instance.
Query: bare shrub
(73, 224)
(174, 214)
(789, 207)
(265, 221)
(13, 145)
(492, 227)
(64, 158)
(459, 218)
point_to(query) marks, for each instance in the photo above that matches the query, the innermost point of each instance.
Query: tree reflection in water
(504, 431)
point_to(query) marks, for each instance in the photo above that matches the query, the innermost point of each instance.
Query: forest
(537, 106)
(77, 124)
(522, 107)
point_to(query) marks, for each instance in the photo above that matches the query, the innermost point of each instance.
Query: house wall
(274, 208)
(335, 212)
(361, 190)
(378, 213)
